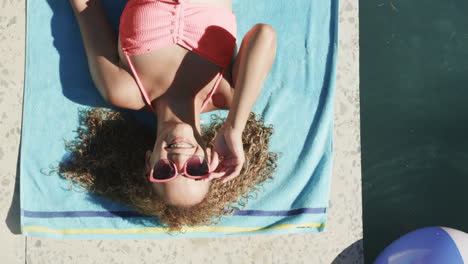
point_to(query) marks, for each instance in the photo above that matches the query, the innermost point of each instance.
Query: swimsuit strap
(218, 80)
(145, 93)
(140, 85)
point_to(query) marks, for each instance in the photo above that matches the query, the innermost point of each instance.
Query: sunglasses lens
(163, 170)
(197, 166)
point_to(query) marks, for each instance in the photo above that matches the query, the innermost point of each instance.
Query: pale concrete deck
(340, 243)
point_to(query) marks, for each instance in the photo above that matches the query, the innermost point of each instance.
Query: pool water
(414, 117)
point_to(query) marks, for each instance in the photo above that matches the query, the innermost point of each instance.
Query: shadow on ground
(351, 255)
(13, 219)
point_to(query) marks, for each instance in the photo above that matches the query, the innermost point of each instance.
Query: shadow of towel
(13, 219)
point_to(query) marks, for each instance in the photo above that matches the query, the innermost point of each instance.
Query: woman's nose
(179, 161)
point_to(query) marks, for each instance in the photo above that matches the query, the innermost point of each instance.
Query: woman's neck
(173, 111)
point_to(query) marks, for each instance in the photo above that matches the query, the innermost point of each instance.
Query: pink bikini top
(207, 30)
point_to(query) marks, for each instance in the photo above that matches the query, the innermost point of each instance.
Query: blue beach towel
(297, 99)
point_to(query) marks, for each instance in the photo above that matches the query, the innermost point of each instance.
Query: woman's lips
(180, 143)
(180, 140)
(184, 146)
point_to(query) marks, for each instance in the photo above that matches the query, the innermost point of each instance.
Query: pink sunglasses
(196, 167)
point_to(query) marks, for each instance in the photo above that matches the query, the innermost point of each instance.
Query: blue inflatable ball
(430, 245)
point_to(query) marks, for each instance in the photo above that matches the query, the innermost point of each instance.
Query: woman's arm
(250, 69)
(115, 84)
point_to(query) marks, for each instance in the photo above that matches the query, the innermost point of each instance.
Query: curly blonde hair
(106, 162)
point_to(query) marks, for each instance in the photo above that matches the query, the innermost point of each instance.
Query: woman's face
(177, 143)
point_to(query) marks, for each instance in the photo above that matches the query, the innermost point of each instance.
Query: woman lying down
(176, 59)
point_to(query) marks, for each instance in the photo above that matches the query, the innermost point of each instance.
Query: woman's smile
(180, 145)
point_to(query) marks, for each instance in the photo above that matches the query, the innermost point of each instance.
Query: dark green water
(414, 114)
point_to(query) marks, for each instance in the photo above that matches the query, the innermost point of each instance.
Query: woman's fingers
(215, 175)
(227, 169)
(218, 171)
(231, 162)
(214, 160)
(232, 172)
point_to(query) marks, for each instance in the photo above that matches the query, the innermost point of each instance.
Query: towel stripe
(121, 214)
(127, 214)
(281, 213)
(161, 230)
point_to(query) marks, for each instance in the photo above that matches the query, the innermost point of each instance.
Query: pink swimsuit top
(207, 30)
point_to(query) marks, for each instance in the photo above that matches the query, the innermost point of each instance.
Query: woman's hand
(229, 150)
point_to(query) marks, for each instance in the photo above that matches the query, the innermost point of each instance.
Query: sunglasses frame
(177, 173)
